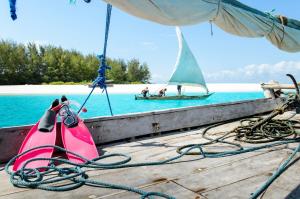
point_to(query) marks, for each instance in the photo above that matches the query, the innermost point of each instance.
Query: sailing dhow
(187, 72)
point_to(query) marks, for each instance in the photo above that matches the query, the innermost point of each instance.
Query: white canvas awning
(230, 15)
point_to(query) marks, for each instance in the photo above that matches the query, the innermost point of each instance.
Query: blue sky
(222, 57)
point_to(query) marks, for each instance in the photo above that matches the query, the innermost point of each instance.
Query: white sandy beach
(120, 88)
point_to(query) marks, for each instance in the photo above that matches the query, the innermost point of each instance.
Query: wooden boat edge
(108, 129)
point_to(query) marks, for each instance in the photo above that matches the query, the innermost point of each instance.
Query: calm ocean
(27, 109)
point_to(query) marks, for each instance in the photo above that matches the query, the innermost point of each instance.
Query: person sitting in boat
(179, 89)
(145, 92)
(162, 92)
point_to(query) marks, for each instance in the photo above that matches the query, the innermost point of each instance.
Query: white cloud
(257, 73)
(158, 78)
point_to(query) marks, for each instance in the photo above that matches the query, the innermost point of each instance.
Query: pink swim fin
(36, 137)
(77, 138)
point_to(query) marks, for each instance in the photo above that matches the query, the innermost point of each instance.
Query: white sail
(187, 70)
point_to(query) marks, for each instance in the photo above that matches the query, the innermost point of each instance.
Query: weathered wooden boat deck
(228, 177)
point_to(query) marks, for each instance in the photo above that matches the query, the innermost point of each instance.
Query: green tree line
(35, 64)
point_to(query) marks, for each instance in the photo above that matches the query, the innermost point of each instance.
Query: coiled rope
(37, 178)
(255, 131)
(75, 173)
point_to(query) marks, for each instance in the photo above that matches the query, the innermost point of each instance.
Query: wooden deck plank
(85, 192)
(214, 178)
(6, 188)
(149, 143)
(288, 182)
(168, 187)
(141, 176)
(198, 176)
(286, 186)
(238, 190)
(157, 154)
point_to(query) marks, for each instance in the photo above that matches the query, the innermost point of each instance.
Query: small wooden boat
(174, 97)
(186, 73)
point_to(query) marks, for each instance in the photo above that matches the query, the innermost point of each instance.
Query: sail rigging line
(218, 11)
(281, 18)
(101, 79)
(214, 18)
(273, 18)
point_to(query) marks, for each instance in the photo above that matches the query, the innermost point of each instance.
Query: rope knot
(64, 171)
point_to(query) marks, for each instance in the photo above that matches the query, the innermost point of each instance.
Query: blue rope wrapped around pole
(101, 79)
(12, 5)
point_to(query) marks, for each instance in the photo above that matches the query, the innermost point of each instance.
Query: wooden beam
(278, 86)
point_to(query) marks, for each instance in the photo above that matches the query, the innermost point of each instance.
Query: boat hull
(177, 97)
(119, 127)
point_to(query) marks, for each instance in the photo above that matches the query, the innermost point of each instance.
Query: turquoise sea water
(27, 109)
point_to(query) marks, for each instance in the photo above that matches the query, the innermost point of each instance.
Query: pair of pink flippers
(76, 139)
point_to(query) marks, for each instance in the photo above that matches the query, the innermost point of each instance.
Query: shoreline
(123, 88)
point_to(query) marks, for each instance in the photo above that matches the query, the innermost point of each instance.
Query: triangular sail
(187, 70)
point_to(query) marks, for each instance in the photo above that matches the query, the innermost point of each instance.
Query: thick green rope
(37, 178)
